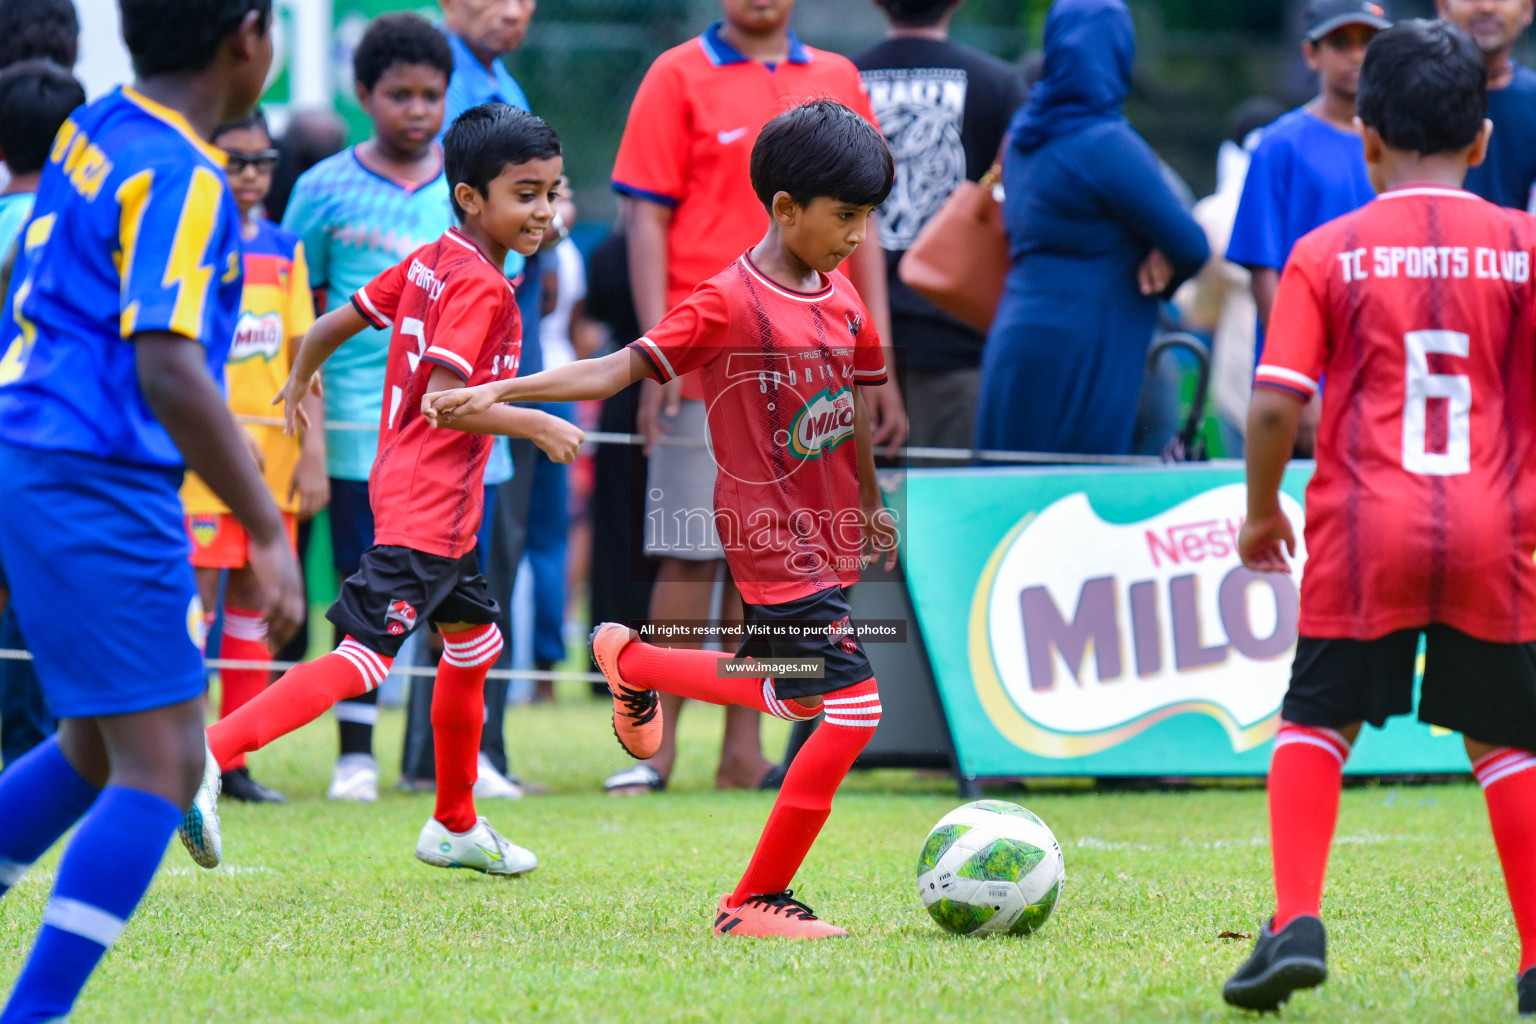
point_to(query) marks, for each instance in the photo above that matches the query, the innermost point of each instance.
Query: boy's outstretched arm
(1267, 537)
(879, 524)
(173, 375)
(320, 342)
(581, 381)
(557, 438)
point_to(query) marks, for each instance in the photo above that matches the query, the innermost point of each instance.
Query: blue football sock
(104, 873)
(41, 796)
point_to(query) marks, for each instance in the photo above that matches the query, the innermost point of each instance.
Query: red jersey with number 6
(450, 307)
(1417, 309)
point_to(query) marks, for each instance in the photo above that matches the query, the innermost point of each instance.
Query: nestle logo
(1194, 542)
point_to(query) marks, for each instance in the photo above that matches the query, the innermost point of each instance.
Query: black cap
(1325, 16)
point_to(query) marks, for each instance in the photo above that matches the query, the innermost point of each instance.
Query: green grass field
(321, 913)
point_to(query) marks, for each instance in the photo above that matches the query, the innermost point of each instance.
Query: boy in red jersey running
(1421, 515)
(455, 321)
(785, 349)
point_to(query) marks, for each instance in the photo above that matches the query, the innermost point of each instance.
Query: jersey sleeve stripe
(656, 357)
(452, 358)
(1289, 380)
(364, 305)
(640, 193)
(438, 360)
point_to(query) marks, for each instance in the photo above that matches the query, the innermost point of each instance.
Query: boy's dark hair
(35, 98)
(1424, 87)
(167, 36)
(485, 139)
(39, 28)
(399, 38)
(915, 13)
(822, 148)
(255, 119)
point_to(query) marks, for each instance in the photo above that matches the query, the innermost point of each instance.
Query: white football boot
(490, 784)
(482, 848)
(199, 828)
(355, 779)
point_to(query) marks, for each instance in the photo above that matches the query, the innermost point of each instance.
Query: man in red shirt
(1420, 310)
(691, 211)
(455, 321)
(786, 355)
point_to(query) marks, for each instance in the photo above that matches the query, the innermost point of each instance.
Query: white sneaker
(199, 829)
(356, 778)
(492, 785)
(482, 848)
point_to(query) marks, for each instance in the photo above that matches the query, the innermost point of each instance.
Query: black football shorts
(396, 589)
(1486, 691)
(825, 631)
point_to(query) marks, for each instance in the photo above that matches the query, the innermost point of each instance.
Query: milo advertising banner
(1099, 622)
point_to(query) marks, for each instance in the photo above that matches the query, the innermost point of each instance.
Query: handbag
(959, 260)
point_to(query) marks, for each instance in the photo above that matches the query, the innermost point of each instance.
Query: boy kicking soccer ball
(785, 348)
(455, 321)
(1420, 310)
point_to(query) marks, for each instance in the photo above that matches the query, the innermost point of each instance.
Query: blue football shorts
(97, 558)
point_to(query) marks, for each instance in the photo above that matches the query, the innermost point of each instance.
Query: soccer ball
(990, 868)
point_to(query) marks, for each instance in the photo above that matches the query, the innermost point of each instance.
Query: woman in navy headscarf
(1092, 228)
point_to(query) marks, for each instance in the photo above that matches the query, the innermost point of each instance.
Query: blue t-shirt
(134, 229)
(1304, 173)
(1509, 172)
(14, 210)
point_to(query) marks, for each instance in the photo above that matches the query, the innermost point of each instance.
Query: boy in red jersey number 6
(1421, 516)
(455, 321)
(785, 348)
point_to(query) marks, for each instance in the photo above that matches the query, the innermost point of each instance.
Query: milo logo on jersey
(257, 336)
(822, 424)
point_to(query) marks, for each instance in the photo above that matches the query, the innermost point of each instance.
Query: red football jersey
(688, 142)
(450, 307)
(1418, 311)
(778, 368)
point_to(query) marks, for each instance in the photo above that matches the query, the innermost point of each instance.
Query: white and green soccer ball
(990, 868)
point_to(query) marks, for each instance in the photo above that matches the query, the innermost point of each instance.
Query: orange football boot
(636, 713)
(776, 916)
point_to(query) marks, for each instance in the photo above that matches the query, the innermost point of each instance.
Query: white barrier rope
(957, 455)
(10, 654)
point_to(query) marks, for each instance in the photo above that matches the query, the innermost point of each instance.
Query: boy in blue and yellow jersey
(122, 304)
(276, 309)
(359, 213)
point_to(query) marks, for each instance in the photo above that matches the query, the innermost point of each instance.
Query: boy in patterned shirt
(276, 308)
(455, 320)
(785, 350)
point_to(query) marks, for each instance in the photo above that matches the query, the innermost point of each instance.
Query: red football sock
(458, 715)
(298, 698)
(695, 675)
(245, 639)
(1509, 787)
(1305, 776)
(805, 799)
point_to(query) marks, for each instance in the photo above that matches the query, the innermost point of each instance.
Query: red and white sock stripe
(789, 712)
(861, 710)
(474, 648)
(242, 625)
(371, 664)
(1313, 735)
(1501, 764)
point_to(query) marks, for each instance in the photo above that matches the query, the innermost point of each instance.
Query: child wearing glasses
(276, 308)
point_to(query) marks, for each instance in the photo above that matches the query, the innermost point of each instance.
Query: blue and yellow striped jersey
(134, 229)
